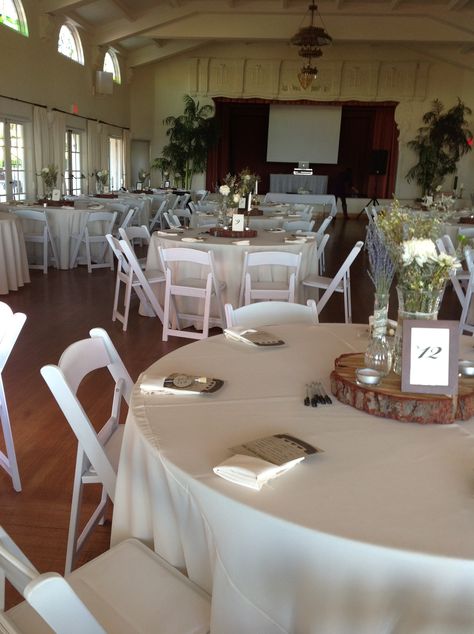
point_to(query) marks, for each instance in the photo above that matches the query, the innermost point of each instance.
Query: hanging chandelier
(309, 40)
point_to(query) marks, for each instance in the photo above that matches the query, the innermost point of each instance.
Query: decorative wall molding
(278, 79)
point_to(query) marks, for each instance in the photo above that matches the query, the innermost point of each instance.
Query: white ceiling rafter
(61, 6)
(156, 53)
(125, 9)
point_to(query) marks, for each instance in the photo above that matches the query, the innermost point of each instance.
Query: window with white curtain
(69, 43)
(116, 162)
(12, 161)
(73, 175)
(12, 15)
(111, 65)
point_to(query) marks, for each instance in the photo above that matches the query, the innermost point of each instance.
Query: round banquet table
(229, 257)
(373, 535)
(64, 222)
(13, 261)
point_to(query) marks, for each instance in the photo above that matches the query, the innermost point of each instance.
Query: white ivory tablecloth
(13, 261)
(63, 222)
(286, 183)
(310, 199)
(229, 257)
(375, 535)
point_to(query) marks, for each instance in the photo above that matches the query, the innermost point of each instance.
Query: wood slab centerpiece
(228, 233)
(388, 401)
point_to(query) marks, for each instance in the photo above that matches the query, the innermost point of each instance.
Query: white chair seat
(130, 590)
(320, 281)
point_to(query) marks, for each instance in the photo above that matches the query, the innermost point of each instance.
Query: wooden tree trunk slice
(388, 401)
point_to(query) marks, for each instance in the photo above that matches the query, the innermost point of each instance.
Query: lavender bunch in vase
(381, 271)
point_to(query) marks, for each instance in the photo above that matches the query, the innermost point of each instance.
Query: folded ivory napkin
(250, 471)
(258, 461)
(166, 233)
(191, 239)
(298, 240)
(242, 243)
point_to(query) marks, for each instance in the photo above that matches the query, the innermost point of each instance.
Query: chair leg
(166, 315)
(71, 550)
(126, 302)
(88, 255)
(45, 251)
(10, 463)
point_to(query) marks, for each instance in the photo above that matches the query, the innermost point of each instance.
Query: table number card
(56, 194)
(238, 222)
(106, 189)
(430, 356)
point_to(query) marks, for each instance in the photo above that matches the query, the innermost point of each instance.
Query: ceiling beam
(157, 52)
(125, 9)
(59, 6)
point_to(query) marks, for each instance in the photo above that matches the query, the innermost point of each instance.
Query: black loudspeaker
(378, 162)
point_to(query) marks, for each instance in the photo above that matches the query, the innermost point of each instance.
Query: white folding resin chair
(340, 283)
(92, 237)
(459, 278)
(10, 327)
(298, 225)
(129, 218)
(157, 220)
(129, 589)
(97, 453)
(319, 237)
(130, 273)
(321, 246)
(201, 194)
(200, 284)
(172, 220)
(132, 234)
(252, 289)
(271, 314)
(465, 324)
(38, 231)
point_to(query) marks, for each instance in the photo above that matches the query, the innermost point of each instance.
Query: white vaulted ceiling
(145, 31)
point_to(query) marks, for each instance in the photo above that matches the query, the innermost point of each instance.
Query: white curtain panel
(42, 144)
(59, 145)
(93, 152)
(126, 166)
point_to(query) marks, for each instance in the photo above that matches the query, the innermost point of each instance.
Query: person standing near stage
(343, 187)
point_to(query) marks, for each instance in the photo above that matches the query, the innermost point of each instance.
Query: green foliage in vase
(440, 143)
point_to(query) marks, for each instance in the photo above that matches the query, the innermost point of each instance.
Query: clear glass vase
(413, 305)
(378, 354)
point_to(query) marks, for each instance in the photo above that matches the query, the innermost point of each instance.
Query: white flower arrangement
(224, 190)
(49, 175)
(102, 176)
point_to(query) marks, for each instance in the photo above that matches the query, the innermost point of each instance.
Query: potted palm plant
(439, 144)
(191, 134)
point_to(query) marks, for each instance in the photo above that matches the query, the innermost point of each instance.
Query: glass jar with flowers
(378, 354)
(49, 175)
(101, 180)
(422, 272)
(224, 191)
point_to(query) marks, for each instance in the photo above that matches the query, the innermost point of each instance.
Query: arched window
(12, 15)
(111, 65)
(69, 43)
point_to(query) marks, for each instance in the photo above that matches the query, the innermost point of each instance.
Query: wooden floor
(61, 308)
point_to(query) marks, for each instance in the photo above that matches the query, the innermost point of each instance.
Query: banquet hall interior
(88, 84)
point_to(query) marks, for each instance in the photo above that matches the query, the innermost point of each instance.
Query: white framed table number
(430, 356)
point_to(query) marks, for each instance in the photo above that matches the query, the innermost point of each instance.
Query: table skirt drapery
(373, 535)
(14, 271)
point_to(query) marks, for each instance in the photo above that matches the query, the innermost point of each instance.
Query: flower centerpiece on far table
(422, 272)
(240, 186)
(49, 175)
(101, 180)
